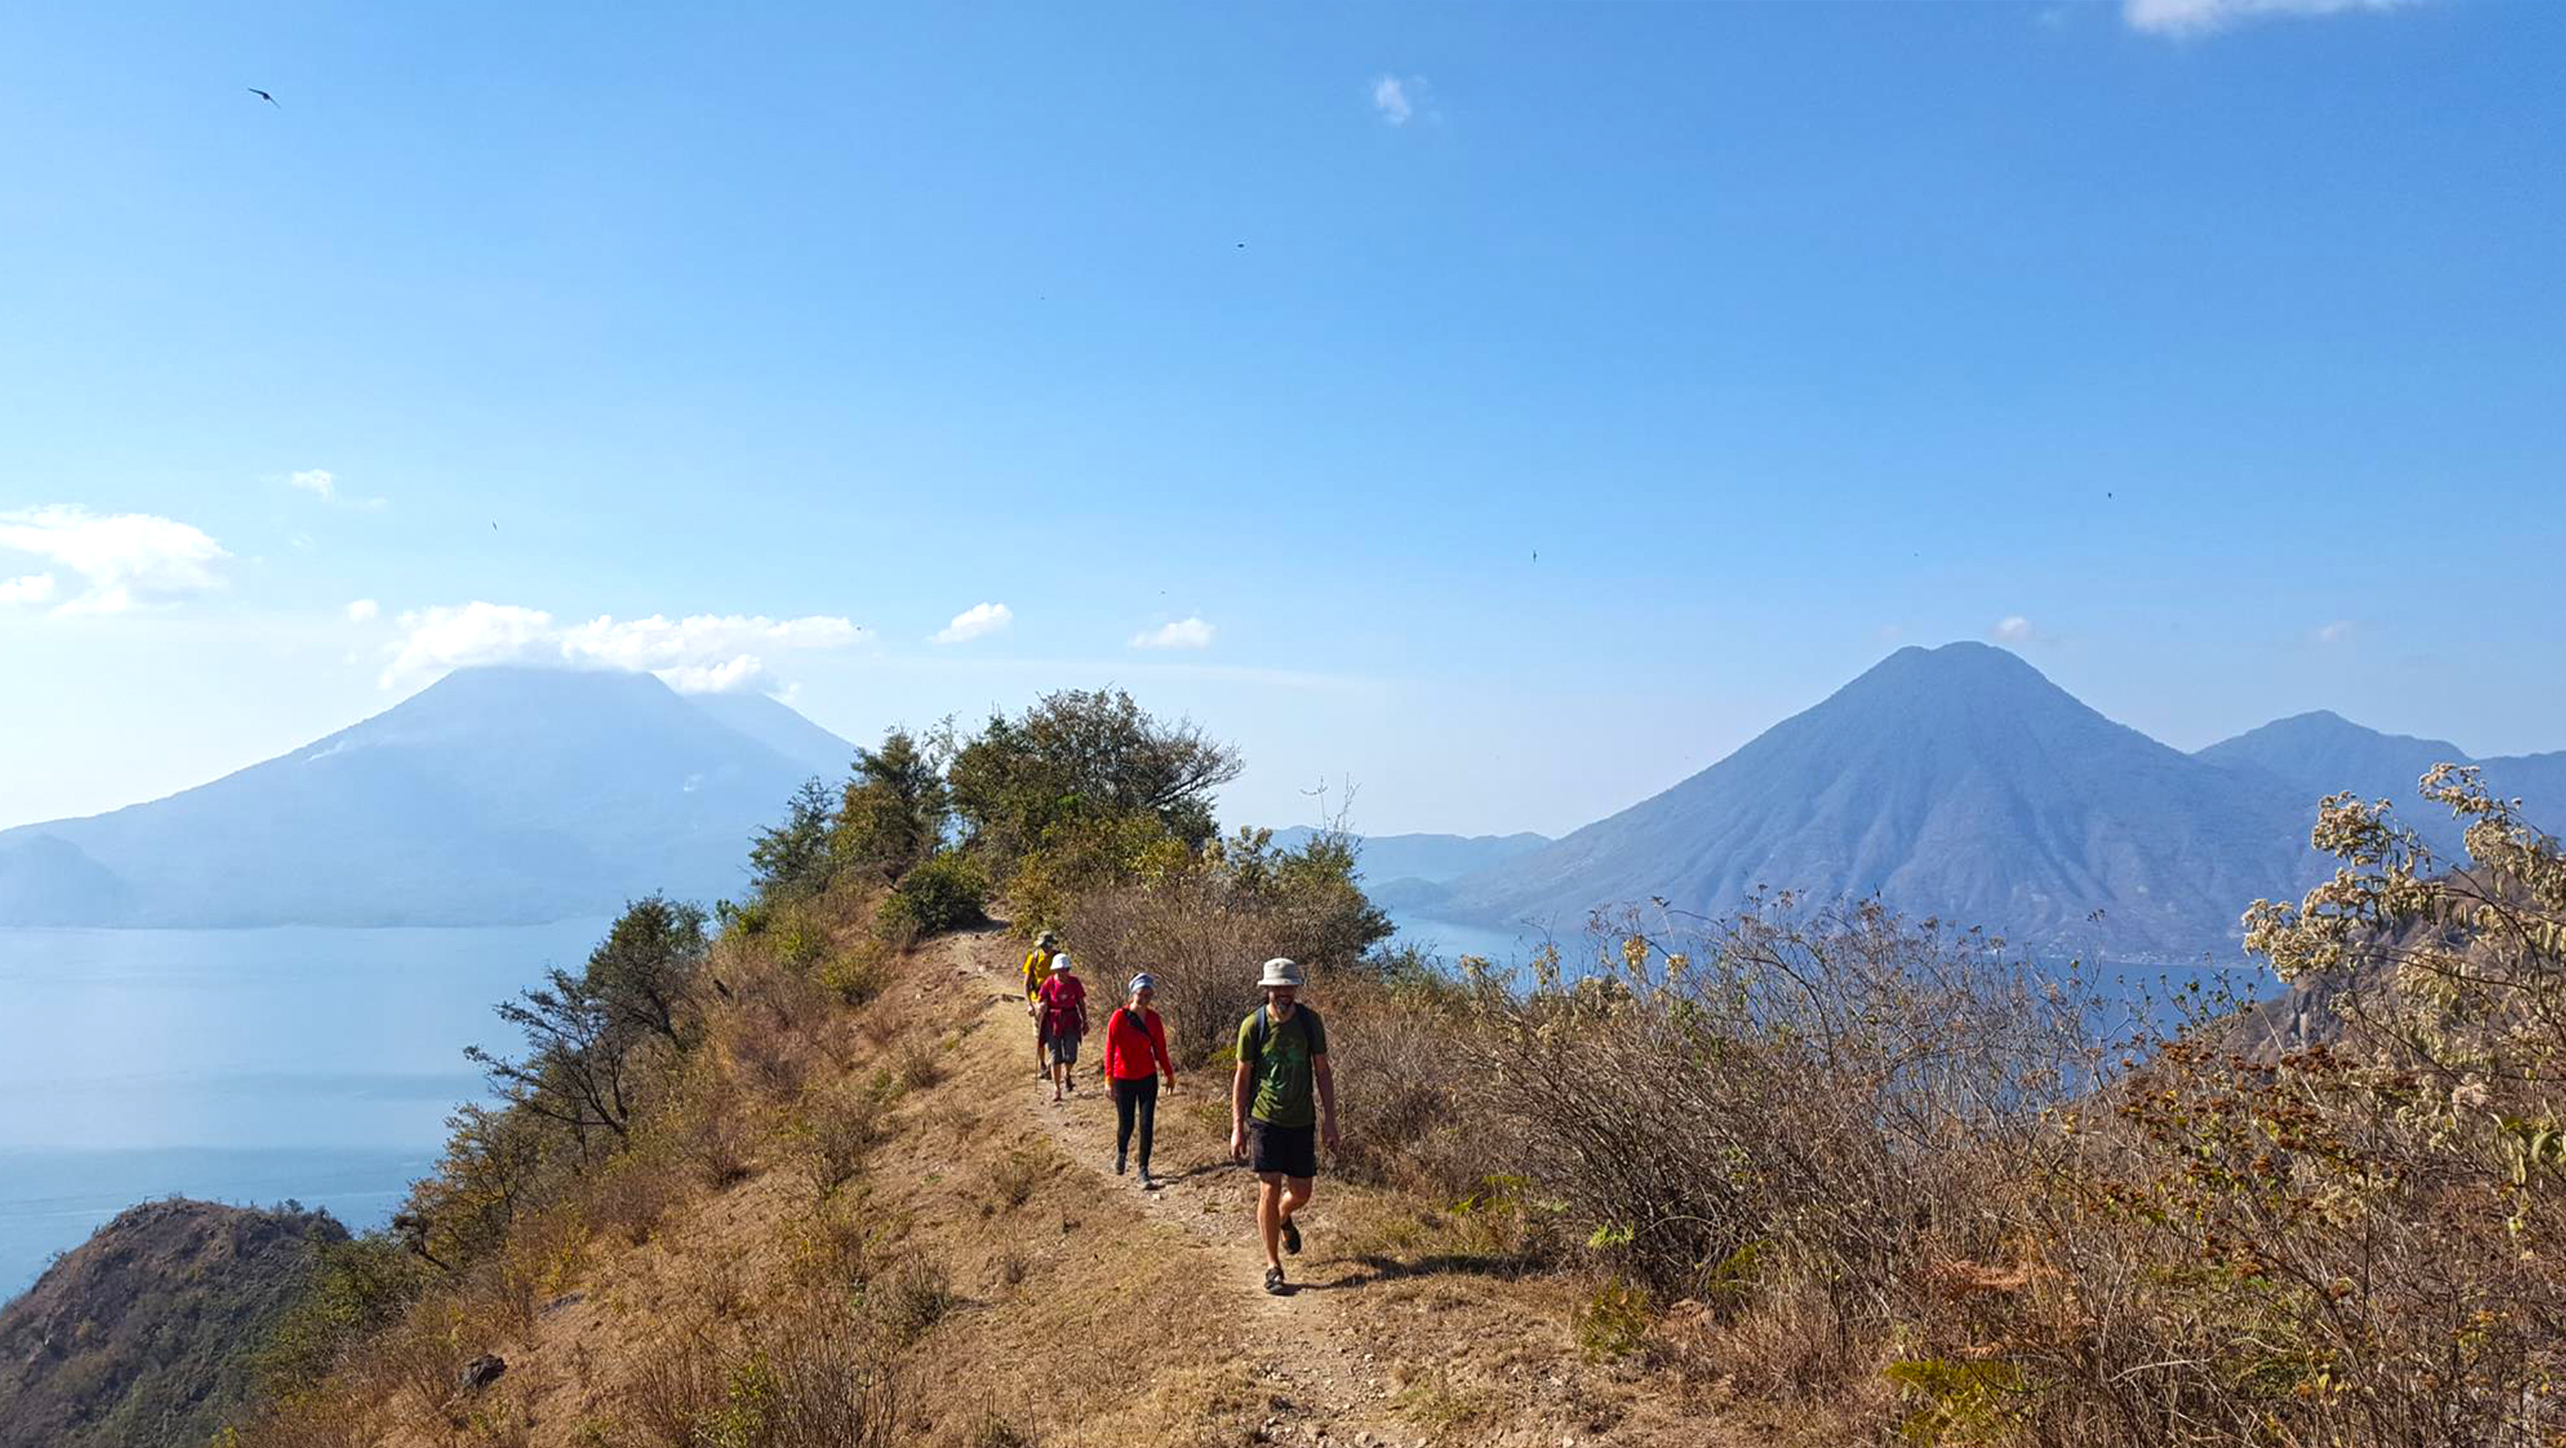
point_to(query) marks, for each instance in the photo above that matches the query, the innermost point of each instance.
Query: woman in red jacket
(1135, 1053)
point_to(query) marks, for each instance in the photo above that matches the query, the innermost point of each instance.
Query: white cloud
(728, 677)
(364, 610)
(126, 560)
(324, 484)
(441, 638)
(1185, 633)
(977, 621)
(1390, 98)
(2012, 629)
(2181, 18)
(2335, 632)
(702, 653)
(34, 588)
(656, 643)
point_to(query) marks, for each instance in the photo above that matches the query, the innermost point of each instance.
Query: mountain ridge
(500, 795)
(1958, 782)
(2320, 752)
(1427, 857)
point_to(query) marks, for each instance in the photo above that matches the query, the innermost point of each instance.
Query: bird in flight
(262, 95)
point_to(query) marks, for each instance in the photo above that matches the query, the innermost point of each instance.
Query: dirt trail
(1406, 1328)
(1322, 1384)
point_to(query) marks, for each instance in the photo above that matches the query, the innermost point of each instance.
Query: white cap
(1281, 971)
(1144, 981)
(1060, 962)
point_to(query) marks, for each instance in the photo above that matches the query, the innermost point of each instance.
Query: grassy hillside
(134, 1339)
(1792, 1176)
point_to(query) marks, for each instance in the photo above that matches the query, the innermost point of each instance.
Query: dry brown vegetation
(1805, 1177)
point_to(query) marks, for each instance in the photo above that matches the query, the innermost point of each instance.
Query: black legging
(1131, 1096)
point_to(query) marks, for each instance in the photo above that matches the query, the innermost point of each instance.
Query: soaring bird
(262, 95)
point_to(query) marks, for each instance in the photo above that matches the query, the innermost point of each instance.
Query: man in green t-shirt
(1274, 1128)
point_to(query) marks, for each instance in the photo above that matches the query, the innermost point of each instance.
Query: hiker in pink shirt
(1063, 1004)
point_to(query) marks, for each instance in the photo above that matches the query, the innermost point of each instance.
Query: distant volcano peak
(1956, 781)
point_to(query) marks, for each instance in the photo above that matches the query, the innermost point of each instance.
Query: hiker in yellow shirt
(1037, 970)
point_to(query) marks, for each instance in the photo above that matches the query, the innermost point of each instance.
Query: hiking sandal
(1291, 1237)
(1274, 1281)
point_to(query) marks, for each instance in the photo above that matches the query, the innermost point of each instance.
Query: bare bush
(628, 1197)
(1414, 1114)
(918, 1063)
(1013, 1177)
(832, 1132)
(544, 1257)
(2355, 1241)
(911, 1300)
(1787, 1107)
(421, 1357)
(834, 1383)
(678, 1387)
(832, 1248)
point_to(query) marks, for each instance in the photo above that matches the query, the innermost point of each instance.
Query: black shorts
(1291, 1151)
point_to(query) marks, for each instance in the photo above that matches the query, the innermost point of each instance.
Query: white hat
(1060, 962)
(1281, 971)
(1144, 981)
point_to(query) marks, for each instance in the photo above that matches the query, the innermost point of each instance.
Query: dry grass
(679, 1297)
(911, 1300)
(918, 1064)
(831, 1133)
(1014, 1176)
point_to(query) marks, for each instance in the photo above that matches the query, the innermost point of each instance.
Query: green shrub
(801, 943)
(948, 892)
(357, 1288)
(1614, 1321)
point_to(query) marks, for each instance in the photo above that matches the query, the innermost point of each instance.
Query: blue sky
(2205, 351)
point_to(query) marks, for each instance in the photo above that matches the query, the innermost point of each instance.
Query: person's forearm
(1327, 1092)
(1238, 1099)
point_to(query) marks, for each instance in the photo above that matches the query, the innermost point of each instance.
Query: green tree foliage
(1080, 756)
(493, 1170)
(642, 972)
(794, 857)
(583, 1032)
(1134, 897)
(893, 816)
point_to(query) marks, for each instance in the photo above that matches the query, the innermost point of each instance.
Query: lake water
(239, 1065)
(260, 1065)
(1449, 941)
